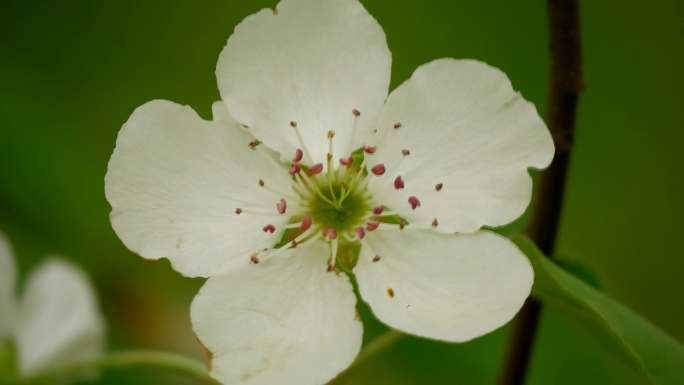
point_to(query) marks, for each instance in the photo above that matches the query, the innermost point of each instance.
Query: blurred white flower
(55, 321)
(307, 160)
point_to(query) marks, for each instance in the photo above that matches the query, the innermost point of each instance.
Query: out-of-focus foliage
(72, 72)
(647, 349)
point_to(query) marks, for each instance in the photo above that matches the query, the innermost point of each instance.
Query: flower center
(333, 202)
(337, 208)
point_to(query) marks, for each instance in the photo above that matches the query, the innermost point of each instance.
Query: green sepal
(347, 255)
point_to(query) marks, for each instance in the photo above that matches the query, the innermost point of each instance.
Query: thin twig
(566, 82)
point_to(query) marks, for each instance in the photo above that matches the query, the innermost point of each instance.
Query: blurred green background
(72, 72)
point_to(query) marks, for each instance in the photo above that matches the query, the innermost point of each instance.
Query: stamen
(238, 211)
(331, 173)
(352, 137)
(303, 238)
(331, 135)
(397, 126)
(260, 211)
(314, 188)
(435, 222)
(304, 193)
(330, 233)
(306, 223)
(378, 210)
(299, 154)
(439, 186)
(355, 180)
(360, 232)
(414, 202)
(315, 169)
(363, 187)
(406, 152)
(295, 169)
(269, 229)
(346, 161)
(281, 206)
(306, 151)
(369, 149)
(390, 292)
(253, 144)
(402, 224)
(398, 183)
(280, 193)
(333, 255)
(372, 225)
(376, 258)
(254, 258)
(386, 212)
(378, 169)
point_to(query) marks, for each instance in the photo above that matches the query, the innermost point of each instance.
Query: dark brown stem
(566, 83)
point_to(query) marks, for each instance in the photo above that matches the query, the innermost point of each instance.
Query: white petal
(8, 278)
(441, 286)
(466, 128)
(309, 61)
(283, 321)
(59, 321)
(219, 112)
(175, 182)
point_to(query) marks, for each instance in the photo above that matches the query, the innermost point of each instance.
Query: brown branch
(566, 83)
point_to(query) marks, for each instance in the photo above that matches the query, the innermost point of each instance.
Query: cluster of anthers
(332, 202)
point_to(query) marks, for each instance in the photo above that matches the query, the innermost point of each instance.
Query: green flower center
(333, 204)
(337, 208)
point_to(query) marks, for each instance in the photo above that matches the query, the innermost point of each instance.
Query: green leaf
(645, 347)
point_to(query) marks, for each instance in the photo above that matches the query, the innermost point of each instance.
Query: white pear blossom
(55, 321)
(309, 171)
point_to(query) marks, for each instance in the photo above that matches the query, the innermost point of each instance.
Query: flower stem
(122, 360)
(566, 82)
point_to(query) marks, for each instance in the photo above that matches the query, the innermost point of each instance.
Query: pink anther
(378, 169)
(299, 154)
(414, 202)
(398, 183)
(315, 169)
(372, 225)
(295, 169)
(281, 206)
(306, 223)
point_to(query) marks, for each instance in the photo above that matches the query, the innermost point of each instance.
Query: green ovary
(341, 215)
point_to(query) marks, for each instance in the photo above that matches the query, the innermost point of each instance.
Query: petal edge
(446, 287)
